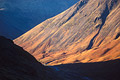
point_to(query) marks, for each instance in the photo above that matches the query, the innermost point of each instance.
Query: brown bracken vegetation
(86, 32)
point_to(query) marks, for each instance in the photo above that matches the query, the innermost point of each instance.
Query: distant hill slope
(17, 64)
(17, 17)
(87, 32)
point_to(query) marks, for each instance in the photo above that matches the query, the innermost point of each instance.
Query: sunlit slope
(88, 31)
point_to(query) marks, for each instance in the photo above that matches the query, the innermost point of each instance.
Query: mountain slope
(17, 64)
(87, 32)
(17, 17)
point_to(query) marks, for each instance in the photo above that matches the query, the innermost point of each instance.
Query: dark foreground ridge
(17, 64)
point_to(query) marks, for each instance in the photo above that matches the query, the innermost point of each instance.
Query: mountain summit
(87, 32)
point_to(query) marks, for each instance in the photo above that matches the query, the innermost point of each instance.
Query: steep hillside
(17, 17)
(17, 64)
(87, 32)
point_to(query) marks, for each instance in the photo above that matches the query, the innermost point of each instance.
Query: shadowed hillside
(17, 64)
(19, 16)
(86, 32)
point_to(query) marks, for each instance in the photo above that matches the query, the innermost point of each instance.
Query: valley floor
(108, 70)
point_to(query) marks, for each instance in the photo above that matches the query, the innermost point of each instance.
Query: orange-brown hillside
(87, 32)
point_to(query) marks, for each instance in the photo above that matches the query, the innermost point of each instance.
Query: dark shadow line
(103, 18)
